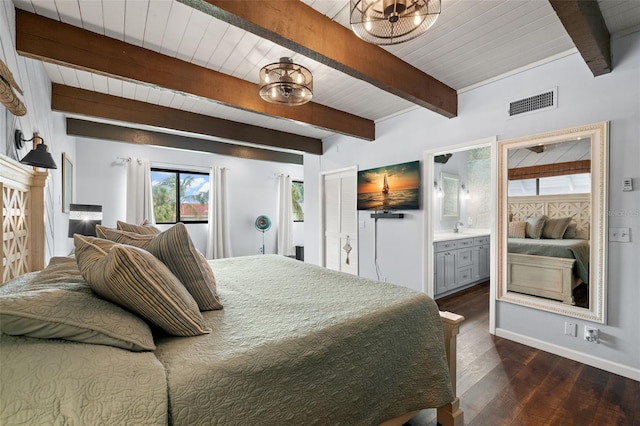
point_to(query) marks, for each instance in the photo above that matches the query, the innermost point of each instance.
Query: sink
(443, 235)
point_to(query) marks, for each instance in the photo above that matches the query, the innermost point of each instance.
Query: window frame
(177, 173)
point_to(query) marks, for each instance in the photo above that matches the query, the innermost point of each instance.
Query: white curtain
(285, 218)
(218, 237)
(139, 195)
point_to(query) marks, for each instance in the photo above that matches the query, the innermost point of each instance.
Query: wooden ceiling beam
(52, 41)
(584, 22)
(89, 129)
(84, 102)
(297, 26)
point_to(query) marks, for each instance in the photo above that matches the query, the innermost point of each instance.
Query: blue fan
(263, 223)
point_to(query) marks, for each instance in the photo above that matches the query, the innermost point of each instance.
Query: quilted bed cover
(295, 344)
(299, 344)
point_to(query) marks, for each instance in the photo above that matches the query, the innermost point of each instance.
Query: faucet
(455, 228)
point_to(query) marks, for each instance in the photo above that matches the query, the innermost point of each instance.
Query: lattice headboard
(23, 220)
(578, 206)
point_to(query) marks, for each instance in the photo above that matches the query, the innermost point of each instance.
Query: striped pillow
(145, 228)
(517, 229)
(137, 281)
(534, 226)
(176, 250)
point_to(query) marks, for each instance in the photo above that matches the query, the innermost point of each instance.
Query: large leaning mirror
(552, 221)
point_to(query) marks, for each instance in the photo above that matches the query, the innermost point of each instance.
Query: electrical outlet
(571, 329)
(591, 334)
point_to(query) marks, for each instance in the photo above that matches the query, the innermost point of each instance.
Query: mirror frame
(599, 134)
(451, 193)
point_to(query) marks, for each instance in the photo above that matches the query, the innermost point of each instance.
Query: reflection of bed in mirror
(550, 267)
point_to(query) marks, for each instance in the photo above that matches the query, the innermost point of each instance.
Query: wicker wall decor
(7, 95)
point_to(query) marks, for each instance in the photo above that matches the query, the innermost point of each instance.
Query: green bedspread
(569, 249)
(298, 344)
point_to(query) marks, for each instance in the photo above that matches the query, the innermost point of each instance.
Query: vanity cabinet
(460, 263)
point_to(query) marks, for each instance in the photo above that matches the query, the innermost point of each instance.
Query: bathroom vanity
(461, 260)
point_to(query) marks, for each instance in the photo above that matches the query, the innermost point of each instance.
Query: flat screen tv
(390, 188)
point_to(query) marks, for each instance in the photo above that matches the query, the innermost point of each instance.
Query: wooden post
(451, 414)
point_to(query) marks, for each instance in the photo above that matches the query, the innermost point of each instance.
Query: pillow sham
(42, 305)
(571, 231)
(137, 281)
(145, 228)
(555, 228)
(176, 250)
(517, 229)
(534, 226)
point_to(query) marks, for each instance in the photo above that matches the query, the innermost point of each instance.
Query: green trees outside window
(180, 196)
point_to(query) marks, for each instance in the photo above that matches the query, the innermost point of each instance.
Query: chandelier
(387, 22)
(286, 83)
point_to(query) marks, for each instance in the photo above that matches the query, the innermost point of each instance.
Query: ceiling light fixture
(286, 83)
(387, 22)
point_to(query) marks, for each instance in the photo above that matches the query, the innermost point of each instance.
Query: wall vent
(535, 103)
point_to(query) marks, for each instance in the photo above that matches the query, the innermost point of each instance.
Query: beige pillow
(517, 229)
(555, 228)
(176, 250)
(137, 281)
(145, 228)
(534, 226)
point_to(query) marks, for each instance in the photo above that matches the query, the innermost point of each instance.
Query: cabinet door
(483, 261)
(445, 271)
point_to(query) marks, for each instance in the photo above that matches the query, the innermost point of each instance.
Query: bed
(550, 267)
(294, 344)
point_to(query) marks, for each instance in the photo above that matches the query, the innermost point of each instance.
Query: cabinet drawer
(467, 242)
(464, 276)
(444, 245)
(480, 240)
(464, 257)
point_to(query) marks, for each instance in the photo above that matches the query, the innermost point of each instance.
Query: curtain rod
(183, 167)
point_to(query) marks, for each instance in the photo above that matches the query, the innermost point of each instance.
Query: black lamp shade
(83, 219)
(39, 157)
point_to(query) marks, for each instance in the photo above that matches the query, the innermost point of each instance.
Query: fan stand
(262, 242)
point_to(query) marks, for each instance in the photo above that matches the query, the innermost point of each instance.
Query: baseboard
(603, 364)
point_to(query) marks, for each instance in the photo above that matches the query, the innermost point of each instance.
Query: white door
(340, 220)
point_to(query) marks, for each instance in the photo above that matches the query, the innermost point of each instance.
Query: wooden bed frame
(543, 276)
(23, 234)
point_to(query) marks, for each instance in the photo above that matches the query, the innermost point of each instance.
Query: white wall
(31, 77)
(582, 99)
(253, 188)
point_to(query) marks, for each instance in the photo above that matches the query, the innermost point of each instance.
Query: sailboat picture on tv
(390, 188)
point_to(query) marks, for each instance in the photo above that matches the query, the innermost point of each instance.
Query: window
(565, 184)
(297, 200)
(180, 196)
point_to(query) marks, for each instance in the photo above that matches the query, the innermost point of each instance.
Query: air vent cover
(535, 103)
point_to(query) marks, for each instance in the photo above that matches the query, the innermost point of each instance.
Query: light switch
(621, 235)
(362, 224)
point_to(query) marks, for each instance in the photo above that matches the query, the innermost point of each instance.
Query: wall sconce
(39, 156)
(83, 219)
(437, 190)
(464, 194)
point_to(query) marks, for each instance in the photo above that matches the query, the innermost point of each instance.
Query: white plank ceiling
(471, 43)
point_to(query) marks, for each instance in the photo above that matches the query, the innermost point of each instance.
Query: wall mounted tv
(390, 188)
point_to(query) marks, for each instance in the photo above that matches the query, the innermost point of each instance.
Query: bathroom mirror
(552, 219)
(450, 204)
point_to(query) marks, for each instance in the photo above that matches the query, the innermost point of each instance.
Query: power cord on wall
(375, 248)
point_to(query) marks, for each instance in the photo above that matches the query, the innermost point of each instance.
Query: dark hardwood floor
(505, 383)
